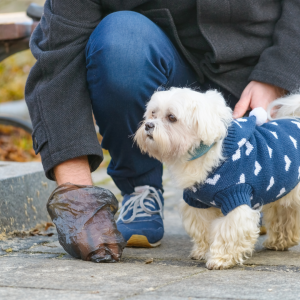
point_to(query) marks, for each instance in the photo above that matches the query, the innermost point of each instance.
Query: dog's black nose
(149, 126)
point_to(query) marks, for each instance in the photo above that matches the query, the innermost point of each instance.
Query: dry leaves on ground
(149, 261)
(16, 145)
(39, 229)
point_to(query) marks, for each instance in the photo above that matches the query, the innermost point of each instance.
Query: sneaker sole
(140, 241)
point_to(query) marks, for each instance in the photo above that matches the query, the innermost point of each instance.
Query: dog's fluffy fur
(175, 122)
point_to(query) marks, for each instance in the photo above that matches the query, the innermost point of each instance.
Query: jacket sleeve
(56, 91)
(279, 64)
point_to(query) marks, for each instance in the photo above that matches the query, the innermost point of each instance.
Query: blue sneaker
(140, 220)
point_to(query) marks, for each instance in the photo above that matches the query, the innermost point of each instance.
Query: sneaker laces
(143, 196)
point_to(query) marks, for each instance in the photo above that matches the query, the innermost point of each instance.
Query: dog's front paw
(199, 250)
(219, 264)
(197, 254)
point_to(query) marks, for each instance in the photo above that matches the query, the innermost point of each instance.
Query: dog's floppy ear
(211, 116)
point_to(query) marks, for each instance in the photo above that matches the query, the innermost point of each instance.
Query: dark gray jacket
(251, 40)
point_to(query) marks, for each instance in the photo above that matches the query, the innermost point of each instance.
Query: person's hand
(84, 219)
(257, 94)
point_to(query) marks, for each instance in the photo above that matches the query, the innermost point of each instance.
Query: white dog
(195, 135)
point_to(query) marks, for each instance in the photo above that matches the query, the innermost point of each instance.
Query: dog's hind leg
(282, 219)
(233, 238)
(196, 222)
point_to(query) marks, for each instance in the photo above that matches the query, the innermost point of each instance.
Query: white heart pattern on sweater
(272, 181)
(214, 180)
(270, 151)
(257, 168)
(242, 179)
(294, 141)
(287, 162)
(249, 148)
(236, 155)
(297, 123)
(282, 191)
(275, 134)
(242, 142)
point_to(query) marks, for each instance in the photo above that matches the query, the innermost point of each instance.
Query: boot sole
(140, 241)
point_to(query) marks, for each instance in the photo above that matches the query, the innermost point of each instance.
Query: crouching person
(108, 58)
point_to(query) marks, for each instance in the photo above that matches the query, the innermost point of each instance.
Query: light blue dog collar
(199, 151)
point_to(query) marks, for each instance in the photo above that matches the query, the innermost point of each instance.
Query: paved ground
(38, 268)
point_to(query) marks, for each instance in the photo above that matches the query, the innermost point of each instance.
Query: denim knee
(122, 47)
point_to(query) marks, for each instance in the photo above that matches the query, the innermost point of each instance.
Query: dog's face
(178, 120)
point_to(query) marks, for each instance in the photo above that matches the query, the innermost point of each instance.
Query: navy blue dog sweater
(262, 164)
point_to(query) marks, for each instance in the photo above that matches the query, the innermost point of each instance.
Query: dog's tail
(285, 107)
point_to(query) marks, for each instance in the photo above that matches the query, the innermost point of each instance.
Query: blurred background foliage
(15, 69)
(13, 75)
(7, 6)
(15, 143)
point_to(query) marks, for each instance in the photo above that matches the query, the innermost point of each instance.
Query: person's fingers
(242, 106)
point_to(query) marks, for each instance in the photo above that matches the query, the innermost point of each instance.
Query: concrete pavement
(39, 268)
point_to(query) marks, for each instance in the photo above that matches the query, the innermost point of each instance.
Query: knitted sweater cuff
(192, 201)
(233, 197)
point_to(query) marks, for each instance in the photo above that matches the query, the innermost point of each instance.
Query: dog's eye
(172, 118)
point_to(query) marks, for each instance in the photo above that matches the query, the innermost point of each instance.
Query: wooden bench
(15, 32)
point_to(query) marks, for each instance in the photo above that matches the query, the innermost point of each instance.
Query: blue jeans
(128, 57)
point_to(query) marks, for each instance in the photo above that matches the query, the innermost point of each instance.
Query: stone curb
(24, 191)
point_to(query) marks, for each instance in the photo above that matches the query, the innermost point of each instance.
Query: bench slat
(15, 26)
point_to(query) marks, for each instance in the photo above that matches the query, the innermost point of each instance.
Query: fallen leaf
(16, 144)
(34, 232)
(9, 250)
(48, 224)
(149, 261)
(47, 234)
